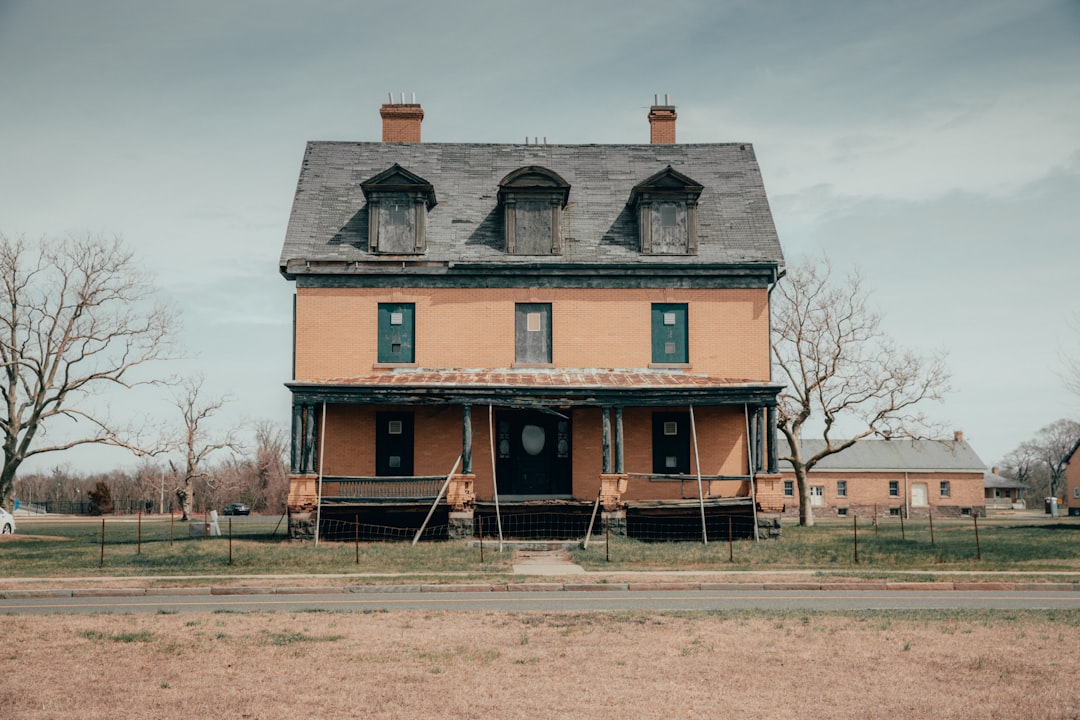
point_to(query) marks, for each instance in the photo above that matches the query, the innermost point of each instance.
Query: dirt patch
(531, 665)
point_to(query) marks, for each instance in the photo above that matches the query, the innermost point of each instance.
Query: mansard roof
(328, 226)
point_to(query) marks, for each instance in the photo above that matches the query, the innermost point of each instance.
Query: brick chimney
(401, 121)
(662, 122)
(958, 435)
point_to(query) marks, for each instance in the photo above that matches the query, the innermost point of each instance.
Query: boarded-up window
(670, 334)
(532, 227)
(670, 233)
(532, 333)
(396, 333)
(397, 223)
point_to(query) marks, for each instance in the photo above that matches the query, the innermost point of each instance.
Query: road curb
(650, 587)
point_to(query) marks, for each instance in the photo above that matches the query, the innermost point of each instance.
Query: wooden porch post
(297, 437)
(759, 439)
(771, 415)
(466, 439)
(605, 444)
(619, 441)
(309, 440)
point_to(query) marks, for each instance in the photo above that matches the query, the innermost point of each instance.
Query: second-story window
(670, 334)
(396, 333)
(532, 333)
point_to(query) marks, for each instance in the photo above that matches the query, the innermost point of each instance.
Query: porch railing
(382, 488)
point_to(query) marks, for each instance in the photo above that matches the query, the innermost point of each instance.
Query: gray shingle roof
(894, 455)
(329, 216)
(990, 480)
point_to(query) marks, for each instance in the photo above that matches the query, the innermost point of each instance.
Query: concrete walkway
(545, 562)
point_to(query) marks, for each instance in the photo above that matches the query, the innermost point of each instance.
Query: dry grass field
(497, 665)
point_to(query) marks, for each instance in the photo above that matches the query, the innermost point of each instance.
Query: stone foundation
(461, 525)
(613, 522)
(301, 526)
(768, 527)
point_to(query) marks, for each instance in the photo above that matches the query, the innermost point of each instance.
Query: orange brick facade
(474, 328)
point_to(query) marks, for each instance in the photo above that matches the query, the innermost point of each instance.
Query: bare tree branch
(841, 368)
(76, 318)
(197, 442)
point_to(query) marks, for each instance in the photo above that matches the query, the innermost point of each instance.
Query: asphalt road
(559, 601)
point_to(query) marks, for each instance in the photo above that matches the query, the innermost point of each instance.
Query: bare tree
(841, 370)
(198, 442)
(76, 319)
(1042, 461)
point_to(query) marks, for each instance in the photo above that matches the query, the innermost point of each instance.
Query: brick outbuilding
(892, 477)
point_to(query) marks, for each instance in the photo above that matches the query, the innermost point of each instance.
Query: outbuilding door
(919, 495)
(817, 495)
(533, 453)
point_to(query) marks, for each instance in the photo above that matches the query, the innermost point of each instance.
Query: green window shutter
(396, 332)
(670, 335)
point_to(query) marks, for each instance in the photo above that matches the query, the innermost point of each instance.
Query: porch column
(771, 414)
(466, 439)
(606, 440)
(297, 436)
(309, 440)
(619, 441)
(759, 438)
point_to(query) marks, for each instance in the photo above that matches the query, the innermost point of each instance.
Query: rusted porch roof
(587, 386)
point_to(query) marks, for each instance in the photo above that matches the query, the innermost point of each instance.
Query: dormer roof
(667, 181)
(397, 179)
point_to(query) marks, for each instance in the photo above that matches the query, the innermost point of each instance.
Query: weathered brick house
(891, 477)
(530, 326)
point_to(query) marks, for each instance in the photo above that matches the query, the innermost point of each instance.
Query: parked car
(7, 522)
(236, 509)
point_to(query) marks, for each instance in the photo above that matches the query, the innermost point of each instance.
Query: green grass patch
(48, 549)
(291, 638)
(124, 637)
(1021, 545)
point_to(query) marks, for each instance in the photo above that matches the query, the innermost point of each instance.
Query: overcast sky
(933, 144)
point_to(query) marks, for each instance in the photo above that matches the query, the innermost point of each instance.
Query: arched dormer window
(397, 202)
(666, 205)
(533, 199)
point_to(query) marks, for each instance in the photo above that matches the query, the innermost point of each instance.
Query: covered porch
(469, 442)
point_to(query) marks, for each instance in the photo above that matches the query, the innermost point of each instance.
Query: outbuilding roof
(894, 456)
(329, 222)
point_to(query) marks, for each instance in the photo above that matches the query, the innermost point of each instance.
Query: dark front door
(533, 453)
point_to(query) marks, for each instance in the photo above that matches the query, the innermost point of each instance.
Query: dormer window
(397, 203)
(666, 205)
(533, 199)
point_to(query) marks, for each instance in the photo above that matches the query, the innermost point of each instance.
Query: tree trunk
(806, 512)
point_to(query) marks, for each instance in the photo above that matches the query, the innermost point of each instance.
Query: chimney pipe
(662, 122)
(401, 121)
